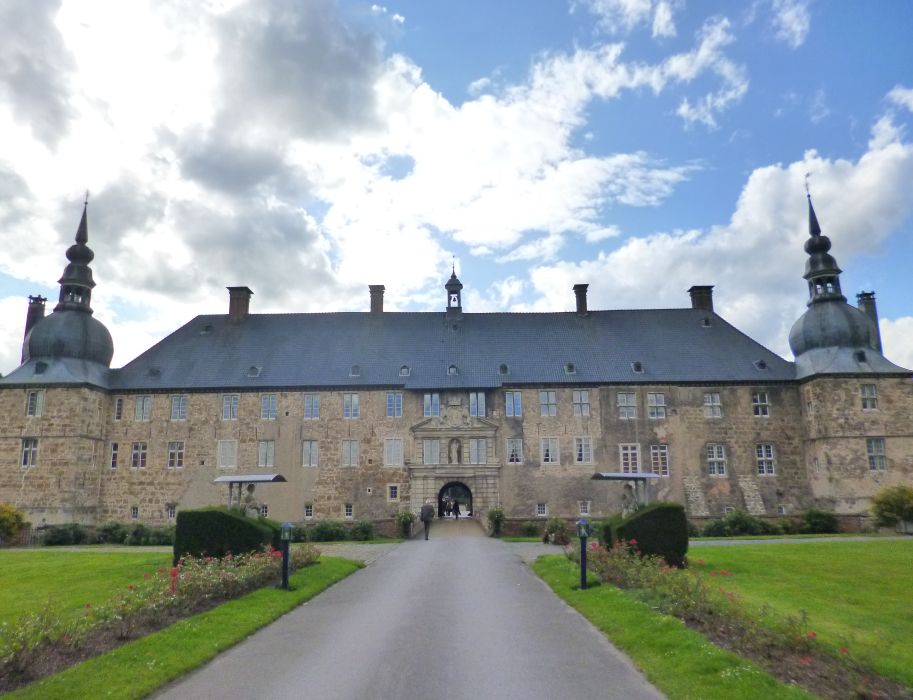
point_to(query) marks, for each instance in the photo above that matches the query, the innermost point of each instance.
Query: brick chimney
(702, 297)
(580, 293)
(377, 298)
(34, 314)
(238, 303)
(866, 303)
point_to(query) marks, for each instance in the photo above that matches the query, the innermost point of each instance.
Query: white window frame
(393, 452)
(515, 450)
(34, 403)
(581, 401)
(513, 404)
(392, 493)
(311, 406)
(179, 407)
(583, 450)
(629, 457)
(142, 407)
(118, 408)
(549, 450)
(266, 453)
(478, 451)
(876, 451)
(227, 454)
(351, 408)
(348, 511)
(548, 403)
(713, 406)
(715, 455)
(29, 453)
(394, 404)
(264, 510)
(869, 395)
(134, 512)
(171, 511)
(477, 404)
(659, 459)
(175, 454)
(431, 405)
(542, 510)
(766, 458)
(230, 404)
(431, 451)
(583, 507)
(349, 453)
(139, 454)
(626, 401)
(760, 404)
(269, 405)
(308, 511)
(656, 405)
(115, 448)
(310, 453)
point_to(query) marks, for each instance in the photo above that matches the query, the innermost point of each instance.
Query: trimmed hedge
(217, 531)
(659, 529)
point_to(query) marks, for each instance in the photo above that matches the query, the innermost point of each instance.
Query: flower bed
(46, 642)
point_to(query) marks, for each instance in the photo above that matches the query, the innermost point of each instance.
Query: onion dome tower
(832, 337)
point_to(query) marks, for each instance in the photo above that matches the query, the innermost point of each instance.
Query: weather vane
(807, 175)
(86, 202)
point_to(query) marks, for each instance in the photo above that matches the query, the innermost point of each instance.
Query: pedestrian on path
(427, 515)
(456, 510)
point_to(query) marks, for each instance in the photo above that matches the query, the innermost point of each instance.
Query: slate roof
(319, 350)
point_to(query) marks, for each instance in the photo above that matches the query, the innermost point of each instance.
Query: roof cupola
(454, 287)
(76, 283)
(821, 270)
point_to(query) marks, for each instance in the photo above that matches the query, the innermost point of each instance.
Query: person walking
(426, 516)
(456, 510)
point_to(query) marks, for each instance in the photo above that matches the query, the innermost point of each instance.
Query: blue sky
(308, 149)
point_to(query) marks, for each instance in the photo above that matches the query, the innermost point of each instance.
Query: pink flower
(632, 542)
(806, 661)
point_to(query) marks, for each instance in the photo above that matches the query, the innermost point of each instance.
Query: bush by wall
(362, 531)
(819, 522)
(496, 519)
(530, 529)
(739, 523)
(71, 533)
(12, 522)
(404, 520)
(327, 531)
(660, 529)
(556, 532)
(606, 531)
(892, 505)
(217, 531)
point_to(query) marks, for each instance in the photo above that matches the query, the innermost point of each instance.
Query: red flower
(844, 650)
(632, 542)
(88, 605)
(806, 661)
(811, 634)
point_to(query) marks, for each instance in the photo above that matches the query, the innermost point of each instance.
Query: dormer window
(760, 365)
(859, 356)
(404, 371)
(637, 367)
(206, 329)
(705, 322)
(503, 369)
(452, 371)
(355, 371)
(41, 367)
(570, 368)
(253, 371)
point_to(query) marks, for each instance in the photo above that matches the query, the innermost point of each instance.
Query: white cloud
(622, 16)
(663, 24)
(818, 110)
(897, 340)
(902, 96)
(791, 21)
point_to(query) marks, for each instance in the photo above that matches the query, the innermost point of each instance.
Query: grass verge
(142, 666)
(678, 661)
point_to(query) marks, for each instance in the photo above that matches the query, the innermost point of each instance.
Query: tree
(892, 505)
(12, 520)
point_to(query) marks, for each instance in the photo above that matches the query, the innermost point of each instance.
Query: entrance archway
(455, 491)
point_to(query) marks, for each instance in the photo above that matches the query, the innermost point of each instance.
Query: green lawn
(678, 661)
(854, 593)
(66, 580)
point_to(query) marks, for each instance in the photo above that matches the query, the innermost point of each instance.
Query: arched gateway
(455, 491)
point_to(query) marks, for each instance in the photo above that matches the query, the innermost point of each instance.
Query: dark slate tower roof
(69, 346)
(832, 337)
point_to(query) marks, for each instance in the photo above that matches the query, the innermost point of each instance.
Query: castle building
(367, 414)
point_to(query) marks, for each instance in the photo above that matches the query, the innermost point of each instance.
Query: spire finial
(807, 175)
(86, 202)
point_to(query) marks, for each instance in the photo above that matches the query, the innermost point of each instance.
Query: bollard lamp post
(583, 531)
(285, 535)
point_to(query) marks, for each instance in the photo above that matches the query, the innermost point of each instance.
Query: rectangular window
(548, 403)
(581, 402)
(549, 448)
(781, 509)
(264, 510)
(228, 454)
(29, 452)
(350, 453)
(230, 406)
(393, 452)
(659, 459)
(656, 406)
(118, 408)
(542, 510)
(311, 406)
(171, 511)
(512, 406)
(350, 406)
(179, 407)
(629, 457)
(431, 451)
(142, 408)
(138, 456)
(514, 450)
(716, 459)
(176, 455)
(114, 448)
(266, 453)
(869, 394)
(348, 511)
(875, 449)
(393, 492)
(432, 405)
(309, 453)
(268, 406)
(583, 450)
(477, 404)
(713, 408)
(308, 511)
(760, 405)
(34, 404)
(766, 458)
(583, 507)
(478, 451)
(394, 404)
(627, 405)
(134, 512)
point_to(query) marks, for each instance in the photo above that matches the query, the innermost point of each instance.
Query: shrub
(12, 522)
(71, 533)
(556, 532)
(819, 522)
(404, 521)
(112, 533)
(530, 529)
(218, 531)
(659, 529)
(892, 505)
(739, 523)
(496, 521)
(789, 526)
(605, 530)
(300, 533)
(362, 531)
(328, 531)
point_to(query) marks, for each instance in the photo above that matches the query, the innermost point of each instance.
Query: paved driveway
(453, 617)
